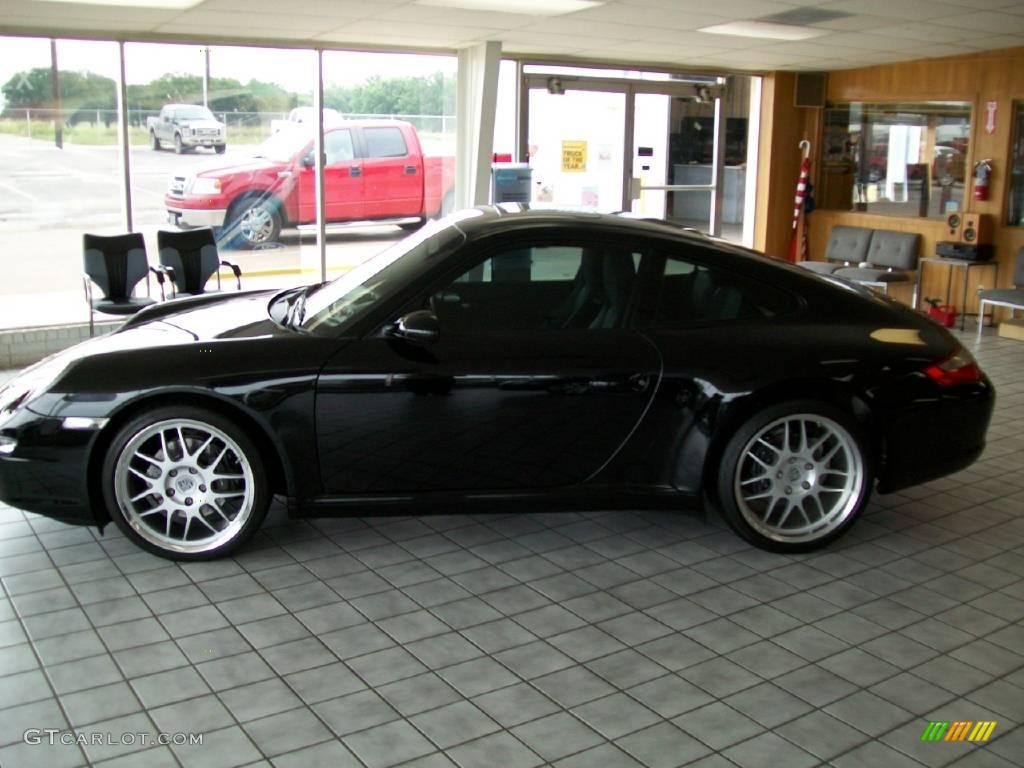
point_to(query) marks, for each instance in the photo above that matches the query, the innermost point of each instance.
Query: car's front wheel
(178, 146)
(795, 476)
(185, 483)
(220, 149)
(154, 142)
(252, 222)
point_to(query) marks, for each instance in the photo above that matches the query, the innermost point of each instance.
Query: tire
(179, 148)
(220, 149)
(253, 221)
(218, 457)
(447, 205)
(795, 476)
(154, 142)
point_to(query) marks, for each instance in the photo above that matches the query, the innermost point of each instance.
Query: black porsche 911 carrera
(534, 358)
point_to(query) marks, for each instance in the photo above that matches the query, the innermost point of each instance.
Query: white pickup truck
(185, 127)
(304, 116)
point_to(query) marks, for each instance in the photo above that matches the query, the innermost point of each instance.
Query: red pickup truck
(374, 170)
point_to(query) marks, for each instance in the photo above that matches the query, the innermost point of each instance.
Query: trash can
(510, 182)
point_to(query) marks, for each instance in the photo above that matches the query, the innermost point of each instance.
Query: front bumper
(45, 470)
(189, 218)
(203, 141)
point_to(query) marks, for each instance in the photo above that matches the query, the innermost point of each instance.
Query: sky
(292, 69)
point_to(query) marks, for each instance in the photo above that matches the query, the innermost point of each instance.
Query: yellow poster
(574, 156)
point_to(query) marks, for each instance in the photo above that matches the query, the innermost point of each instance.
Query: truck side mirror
(308, 160)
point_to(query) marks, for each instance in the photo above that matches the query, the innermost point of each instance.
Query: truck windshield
(193, 113)
(352, 295)
(282, 146)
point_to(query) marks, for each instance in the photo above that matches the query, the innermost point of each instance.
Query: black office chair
(116, 264)
(190, 259)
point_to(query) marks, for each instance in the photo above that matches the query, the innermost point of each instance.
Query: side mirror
(308, 161)
(420, 326)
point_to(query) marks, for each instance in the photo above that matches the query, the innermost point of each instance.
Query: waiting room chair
(1004, 297)
(115, 264)
(190, 259)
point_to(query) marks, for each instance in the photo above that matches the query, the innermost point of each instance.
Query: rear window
(694, 294)
(385, 142)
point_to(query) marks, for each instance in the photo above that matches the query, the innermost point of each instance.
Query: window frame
(491, 246)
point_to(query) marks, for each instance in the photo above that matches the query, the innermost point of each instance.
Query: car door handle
(355, 170)
(410, 170)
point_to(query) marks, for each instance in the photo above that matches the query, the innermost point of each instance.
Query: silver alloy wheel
(256, 224)
(184, 485)
(799, 478)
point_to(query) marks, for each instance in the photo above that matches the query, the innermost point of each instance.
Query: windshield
(353, 294)
(193, 113)
(282, 146)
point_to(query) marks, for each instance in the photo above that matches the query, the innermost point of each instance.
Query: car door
(535, 382)
(343, 180)
(393, 176)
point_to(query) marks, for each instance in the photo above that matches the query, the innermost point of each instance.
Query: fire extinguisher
(982, 171)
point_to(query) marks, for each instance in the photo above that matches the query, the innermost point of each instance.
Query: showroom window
(61, 172)
(693, 295)
(240, 108)
(532, 288)
(895, 159)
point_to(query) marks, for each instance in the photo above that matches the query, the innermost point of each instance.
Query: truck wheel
(795, 476)
(178, 147)
(221, 148)
(253, 221)
(154, 142)
(412, 226)
(447, 205)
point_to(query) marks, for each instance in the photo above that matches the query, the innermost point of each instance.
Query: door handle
(410, 170)
(355, 170)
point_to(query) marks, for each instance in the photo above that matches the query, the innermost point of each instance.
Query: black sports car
(535, 358)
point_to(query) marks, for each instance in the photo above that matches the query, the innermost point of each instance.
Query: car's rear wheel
(154, 142)
(185, 483)
(795, 476)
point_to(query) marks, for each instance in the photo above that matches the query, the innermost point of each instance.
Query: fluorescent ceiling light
(765, 30)
(527, 7)
(162, 5)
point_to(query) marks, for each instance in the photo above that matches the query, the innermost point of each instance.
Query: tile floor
(572, 640)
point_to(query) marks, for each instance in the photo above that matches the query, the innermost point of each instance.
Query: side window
(693, 294)
(534, 288)
(385, 142)
(338, 147)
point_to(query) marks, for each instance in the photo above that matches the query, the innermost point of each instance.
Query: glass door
(575, 142)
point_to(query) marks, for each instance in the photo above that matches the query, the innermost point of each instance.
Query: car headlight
(203, 186)
(22, 389)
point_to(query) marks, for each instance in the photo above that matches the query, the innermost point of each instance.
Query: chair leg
(981, 317)
(90, 323)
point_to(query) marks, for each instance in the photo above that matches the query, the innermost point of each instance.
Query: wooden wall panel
(976, 78)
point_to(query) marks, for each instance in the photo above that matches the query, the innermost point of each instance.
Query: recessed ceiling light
(765, 30)
(528, 7)
(161, 5)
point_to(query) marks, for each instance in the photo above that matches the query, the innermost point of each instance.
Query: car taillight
(958, 368)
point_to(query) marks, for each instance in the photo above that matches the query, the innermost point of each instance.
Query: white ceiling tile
(931, 33)
(857, 23)
(733, 9)
(535, 38)
(986, 21)
(701, 38)
(912, 10)
(410, 31)
(575, 28)
(662, 18)
(422, 14)
(986, 5)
